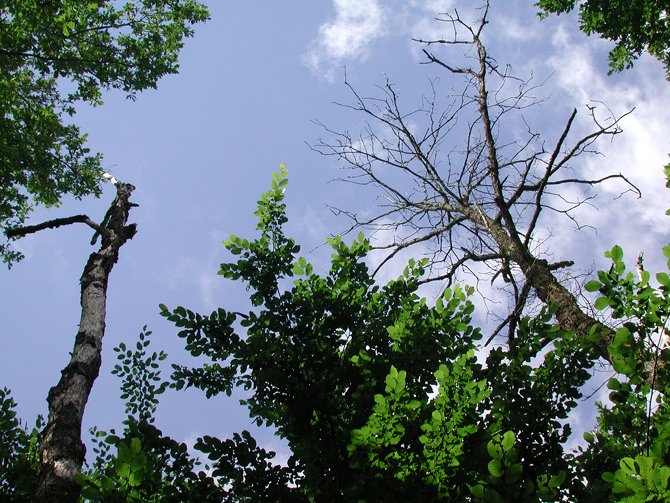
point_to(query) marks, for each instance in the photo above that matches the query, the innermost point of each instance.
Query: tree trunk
(61, 448)
(569, 314)
(539, 275)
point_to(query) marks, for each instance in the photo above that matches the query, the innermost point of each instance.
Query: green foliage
(56, 54)
(142, 465)
(19, 456)
(316, 353)
(532, 400)
(140, 374)
(378, 393)
(640, 479)
(634, 25)
(390, 439)
(382, 396)
(247, 472)
(145, 467)
(627, 455)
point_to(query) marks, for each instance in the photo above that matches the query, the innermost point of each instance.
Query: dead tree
(452, 178)
(61, 448)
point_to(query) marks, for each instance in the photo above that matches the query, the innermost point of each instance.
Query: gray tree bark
(61, 448)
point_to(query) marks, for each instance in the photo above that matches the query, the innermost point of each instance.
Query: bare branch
(456, 176)
(19, 232)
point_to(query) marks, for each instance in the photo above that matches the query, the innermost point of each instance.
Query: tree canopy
(54, 55)
(380, 396)
(380, 393)
(636, 26)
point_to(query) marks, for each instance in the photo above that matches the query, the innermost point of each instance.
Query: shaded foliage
(635, 26)
(141, 464)
(54, 55)
(19, 455)
(380, 396)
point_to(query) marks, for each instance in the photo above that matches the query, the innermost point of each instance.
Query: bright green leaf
(593, 286)
(495, 468)
(601, 303)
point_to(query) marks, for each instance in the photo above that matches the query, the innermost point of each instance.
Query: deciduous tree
(380, 396)
(55, 55)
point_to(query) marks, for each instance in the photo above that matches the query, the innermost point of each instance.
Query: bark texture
(541, 278)
(61, 449)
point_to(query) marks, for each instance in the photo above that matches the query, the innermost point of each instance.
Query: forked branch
(476, 194)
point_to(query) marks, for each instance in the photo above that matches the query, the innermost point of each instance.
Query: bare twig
(453, 179)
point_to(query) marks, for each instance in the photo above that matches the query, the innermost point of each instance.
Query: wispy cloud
(347, 37)
(639, 153)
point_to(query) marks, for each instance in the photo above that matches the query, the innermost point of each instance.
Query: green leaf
(663, 278)
(508, 441)
(616, 254)
(622, 336)
(557, 480)
(494, 450)
(601, 303)
(514, 472)
(477, 491)
(593, 286)
(135, 479)
(495, 468)
(122, 470)
(628, 465)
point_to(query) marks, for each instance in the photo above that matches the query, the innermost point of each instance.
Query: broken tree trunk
(61, 448)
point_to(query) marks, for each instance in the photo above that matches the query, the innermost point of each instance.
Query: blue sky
(202, 148)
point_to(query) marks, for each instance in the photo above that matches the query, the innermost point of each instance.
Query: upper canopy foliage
(55, 54)
(380, 396)
(635, 25)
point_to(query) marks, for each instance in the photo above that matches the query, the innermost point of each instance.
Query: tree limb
(19, 232)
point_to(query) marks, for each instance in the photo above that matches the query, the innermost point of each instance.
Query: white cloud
(432, 6)
(357, 24)
(639, 152)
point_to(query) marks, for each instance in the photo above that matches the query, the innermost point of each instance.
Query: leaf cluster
(141, 464)
(627, 455)
(140, 375)
(54, 55)
(379, 394)
(19, 456)
(636, 26)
